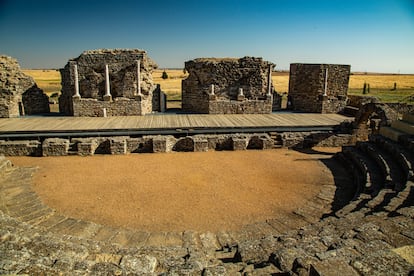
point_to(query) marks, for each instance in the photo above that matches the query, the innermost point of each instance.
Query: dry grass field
(381, 85)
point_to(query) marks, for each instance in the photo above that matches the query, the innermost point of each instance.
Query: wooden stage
(166, 124)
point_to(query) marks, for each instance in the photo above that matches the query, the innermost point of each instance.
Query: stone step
(408, 117)
(381, 199)
(191, 240)
(391, 133)
(105, 233)
(403, 126)
(398, 200)
(350, 110)
(401, 157)
(358, 180)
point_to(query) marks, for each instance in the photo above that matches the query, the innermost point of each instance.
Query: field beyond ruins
(380, 85)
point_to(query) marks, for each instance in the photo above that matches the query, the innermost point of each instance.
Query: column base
(76, 97)
(107, 98)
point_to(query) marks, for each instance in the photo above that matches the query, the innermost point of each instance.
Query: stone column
(212, 96)
(75, 73)
(325, 91)
(269, 81)
(240, 96)
(139, 77)
(107, 96)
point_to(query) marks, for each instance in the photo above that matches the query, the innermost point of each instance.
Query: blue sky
(371, 35)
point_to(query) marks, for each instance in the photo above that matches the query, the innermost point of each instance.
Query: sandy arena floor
(206, 191)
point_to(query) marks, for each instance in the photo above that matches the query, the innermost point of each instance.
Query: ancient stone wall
(19, 94)
(117, 107)
(227, 85)
(168, 143)
(320, 88)
(124, 68)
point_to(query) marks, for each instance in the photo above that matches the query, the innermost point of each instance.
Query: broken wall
(227, 85)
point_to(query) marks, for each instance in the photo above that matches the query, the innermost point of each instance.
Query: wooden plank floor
(170, 121)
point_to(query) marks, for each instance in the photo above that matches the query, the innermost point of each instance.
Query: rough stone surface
(228, 76)
(368, 234)
(370, 117)
(307, 87)
(124, 100)
(55, 147)
(19, 94)
(21, 148)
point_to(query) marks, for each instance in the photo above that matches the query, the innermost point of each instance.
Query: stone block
(162, 143)
(21, 148)
(55, 147)
(260, 141)
(239, 143)
(184, 144)
(85, 146)
(118, 145)
(200, 144)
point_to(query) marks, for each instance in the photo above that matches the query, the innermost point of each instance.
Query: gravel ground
(208, 191)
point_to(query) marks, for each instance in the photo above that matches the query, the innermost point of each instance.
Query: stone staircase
(399, 129)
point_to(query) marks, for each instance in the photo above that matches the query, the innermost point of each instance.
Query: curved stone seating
(376, 226)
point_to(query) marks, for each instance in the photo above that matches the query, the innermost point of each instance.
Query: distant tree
(164, 75)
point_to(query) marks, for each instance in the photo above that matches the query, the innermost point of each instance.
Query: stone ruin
(19, 94)
(318, 88)
(229, 86)
(110, 82)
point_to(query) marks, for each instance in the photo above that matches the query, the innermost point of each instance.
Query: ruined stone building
(110, 82)
(19, 94)
(320, 88)
(228, 86)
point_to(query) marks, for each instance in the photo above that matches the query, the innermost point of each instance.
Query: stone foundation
(96, 108)
(240, 107)
(168, 143)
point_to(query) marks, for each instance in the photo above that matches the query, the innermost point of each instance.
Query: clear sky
(371, 35)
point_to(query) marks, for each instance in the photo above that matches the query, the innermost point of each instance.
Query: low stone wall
(169, 143)
(358, 101)
(319, 139)
(240, 107)
(95, 108)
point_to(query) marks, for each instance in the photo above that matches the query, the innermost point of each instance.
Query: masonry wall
(227, 75)
(19, 94)
(240, 107)
(307, 87)
(122, 65)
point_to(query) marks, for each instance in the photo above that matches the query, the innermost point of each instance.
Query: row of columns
(107, 81)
